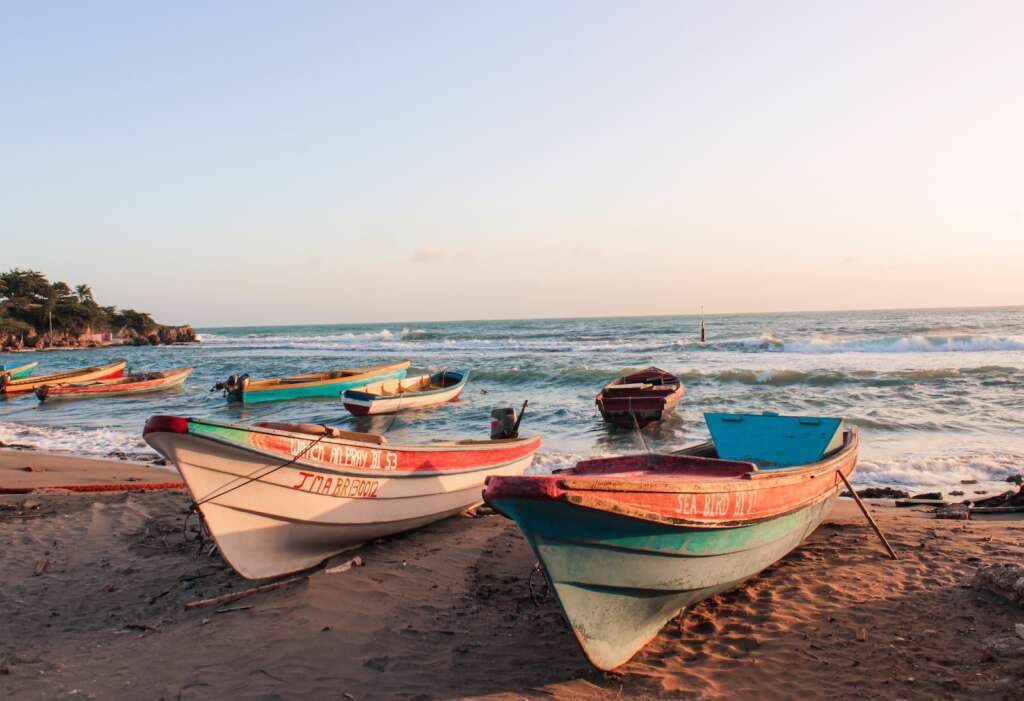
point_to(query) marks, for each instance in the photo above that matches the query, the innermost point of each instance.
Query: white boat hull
(296, 516)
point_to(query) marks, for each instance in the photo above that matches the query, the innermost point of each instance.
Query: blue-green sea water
(938, 394)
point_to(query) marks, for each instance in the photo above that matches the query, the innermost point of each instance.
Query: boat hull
(103, 389)
(646, 410)
(295, 516)
(618, 580)
(272, 391)
(365, 403)
(640, 398)
(31, 384)
(20, 372)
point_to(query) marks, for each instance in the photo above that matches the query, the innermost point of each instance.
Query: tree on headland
(33, 310)
(84, 293)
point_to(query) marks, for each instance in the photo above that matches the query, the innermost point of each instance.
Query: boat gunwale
(318, 379)
(373, 397)
(844, 461)
(447, 447)
(115, 387)
(27, 384)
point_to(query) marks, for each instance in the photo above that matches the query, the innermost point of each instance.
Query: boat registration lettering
(716, 505)
(345, 455)
(337, 486)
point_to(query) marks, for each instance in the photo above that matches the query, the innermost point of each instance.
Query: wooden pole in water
(864, 510)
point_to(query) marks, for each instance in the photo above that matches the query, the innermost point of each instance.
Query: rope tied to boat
(253, 476)
(537, 600)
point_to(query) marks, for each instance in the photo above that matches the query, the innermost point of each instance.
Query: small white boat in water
(390, 396)
(279, 498)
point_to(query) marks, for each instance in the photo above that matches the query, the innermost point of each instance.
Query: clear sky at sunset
(295, 162)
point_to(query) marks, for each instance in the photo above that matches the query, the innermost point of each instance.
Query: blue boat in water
(626, 543)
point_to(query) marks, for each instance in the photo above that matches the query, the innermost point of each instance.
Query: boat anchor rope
(534, 597)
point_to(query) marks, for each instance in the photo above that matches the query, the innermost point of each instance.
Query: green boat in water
(241, 388)
(18, 371)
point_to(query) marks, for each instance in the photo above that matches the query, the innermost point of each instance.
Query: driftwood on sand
(236, 595)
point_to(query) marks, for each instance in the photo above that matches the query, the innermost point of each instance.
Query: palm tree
(84, 293)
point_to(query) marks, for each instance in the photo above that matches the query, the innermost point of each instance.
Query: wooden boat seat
(318, 430)
(629, 387)
(664, 464)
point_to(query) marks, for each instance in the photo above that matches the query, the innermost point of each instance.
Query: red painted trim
(113, 487)
(165, 424)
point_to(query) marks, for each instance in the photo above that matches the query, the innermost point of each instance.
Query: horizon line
(698, 315)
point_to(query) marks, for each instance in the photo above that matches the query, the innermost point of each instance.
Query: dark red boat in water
(639, 398)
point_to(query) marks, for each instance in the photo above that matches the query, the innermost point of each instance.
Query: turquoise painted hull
(332, 389)
(620, 579)
(21, 371)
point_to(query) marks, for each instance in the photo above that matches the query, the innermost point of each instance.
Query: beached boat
(19, 371)
(639, 398)
(122, 386)
(31, 384)
(279, 498)
(628, 542)
(241, 388)
(417, 392)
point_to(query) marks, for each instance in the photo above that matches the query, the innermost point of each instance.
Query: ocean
(937, 394)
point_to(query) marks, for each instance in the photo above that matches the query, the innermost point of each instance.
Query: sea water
(937, 394)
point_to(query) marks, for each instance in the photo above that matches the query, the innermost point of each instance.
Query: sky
(301, 162)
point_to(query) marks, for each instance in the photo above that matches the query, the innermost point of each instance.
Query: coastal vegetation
(37, 313)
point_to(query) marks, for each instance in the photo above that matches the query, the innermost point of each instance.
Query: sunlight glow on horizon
(233, 165)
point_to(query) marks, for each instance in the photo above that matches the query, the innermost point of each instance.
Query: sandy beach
(95, 586)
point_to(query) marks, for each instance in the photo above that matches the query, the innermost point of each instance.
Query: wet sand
(94, 586)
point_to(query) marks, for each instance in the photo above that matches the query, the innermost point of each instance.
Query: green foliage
(28, 301)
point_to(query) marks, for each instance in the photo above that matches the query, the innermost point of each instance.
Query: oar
(864, 510)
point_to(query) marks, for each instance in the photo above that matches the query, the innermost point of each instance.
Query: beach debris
(954, 511)
(229, 609)
(1005, 581)
(928, 495)
(345, 566)
(1015, 479)
(968, 481)
(41, 566)
(30, 504)
(956, 493)
(862, 634)
(140, 627)
(904, 503)
(235, 596)
(1010, 498)
(27, 468)
(1004, 646)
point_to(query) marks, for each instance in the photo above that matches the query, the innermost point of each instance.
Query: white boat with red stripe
(280, 498)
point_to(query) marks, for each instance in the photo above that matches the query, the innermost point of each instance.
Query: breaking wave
(92, 442)
(941, 471)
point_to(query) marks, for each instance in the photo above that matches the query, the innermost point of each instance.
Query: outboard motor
(505, 422)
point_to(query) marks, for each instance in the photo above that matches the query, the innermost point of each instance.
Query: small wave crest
(92, 442)
(907, 344)
(939, 471)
